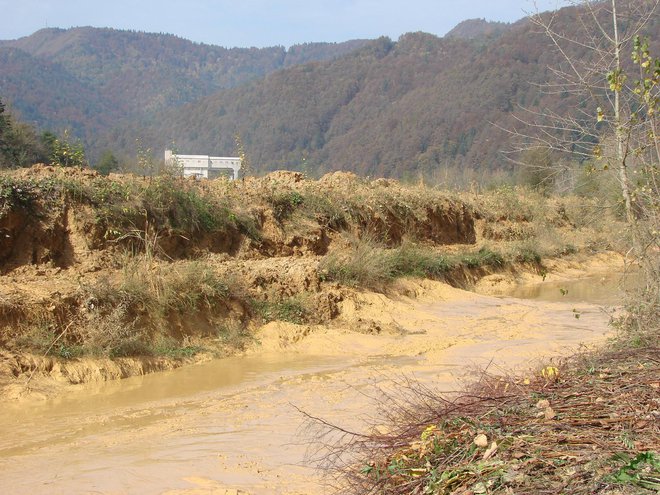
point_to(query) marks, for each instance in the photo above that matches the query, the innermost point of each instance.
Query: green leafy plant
(285, 203)
(643, 470)
(483, 257)
(66, 153)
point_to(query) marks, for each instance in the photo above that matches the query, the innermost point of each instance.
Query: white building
(205, 166)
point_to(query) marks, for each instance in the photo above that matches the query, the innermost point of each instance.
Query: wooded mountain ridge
(86, 79)
(388, 108)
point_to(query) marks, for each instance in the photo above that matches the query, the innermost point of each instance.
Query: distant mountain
(478, 28)
(397, 109)
(133, 73)
(387, 109)
(48, 96)
(377, 107)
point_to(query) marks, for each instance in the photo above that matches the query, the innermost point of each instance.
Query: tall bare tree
(612, 123)
(608, 70)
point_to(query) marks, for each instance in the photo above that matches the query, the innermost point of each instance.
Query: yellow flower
(550, 373)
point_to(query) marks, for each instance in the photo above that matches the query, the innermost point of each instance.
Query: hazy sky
(259, 22)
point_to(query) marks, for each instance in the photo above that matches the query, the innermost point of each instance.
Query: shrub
(113, 333)
(506, 203)
(527, 254)
(534, 250)
(25, 193)
(364, 264)
(285, 203)
(233, 334)
(326, 212)
(132, 315)
(67, 154)
(172, 203)
(411, 260)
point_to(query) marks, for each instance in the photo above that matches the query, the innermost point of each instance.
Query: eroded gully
(235, 424)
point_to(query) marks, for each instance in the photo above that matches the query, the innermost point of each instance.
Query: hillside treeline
(421, 106)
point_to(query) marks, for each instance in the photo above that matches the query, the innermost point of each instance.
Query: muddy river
(234, 425)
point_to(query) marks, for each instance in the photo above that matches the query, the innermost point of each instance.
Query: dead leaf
(480, 488)
(550, 373)
(492, 450)
(549, 413)
(543, 404)
(481, 440)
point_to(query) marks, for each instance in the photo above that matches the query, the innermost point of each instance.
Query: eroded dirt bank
(314, 289)
(234, 426)
(344, 317)
(104, 278)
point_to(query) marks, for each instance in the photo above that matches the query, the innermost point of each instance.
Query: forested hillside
(478, 28)
(388, 109)
(85, 78)
(45, 94)
(413, 107)
(399, 109)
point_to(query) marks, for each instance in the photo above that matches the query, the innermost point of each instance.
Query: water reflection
(607, 289)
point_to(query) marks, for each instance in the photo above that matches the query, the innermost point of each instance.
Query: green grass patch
(285, 203)
(364, 264)
(414, 261)
(292, 310)
(483, 257)
(368, 264)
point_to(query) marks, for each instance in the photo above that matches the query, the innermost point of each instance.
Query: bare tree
(612, 124)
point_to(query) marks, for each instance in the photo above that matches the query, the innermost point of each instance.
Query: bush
(133, 315)
(173, 204)
(410, 260)
(325, 211)
(67, 154)
(24, 193)
(285, 203)
(364, 264)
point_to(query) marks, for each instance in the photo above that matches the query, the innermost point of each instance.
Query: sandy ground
(234, 425)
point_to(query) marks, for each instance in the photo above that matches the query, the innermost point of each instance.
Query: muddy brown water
(235, 424)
